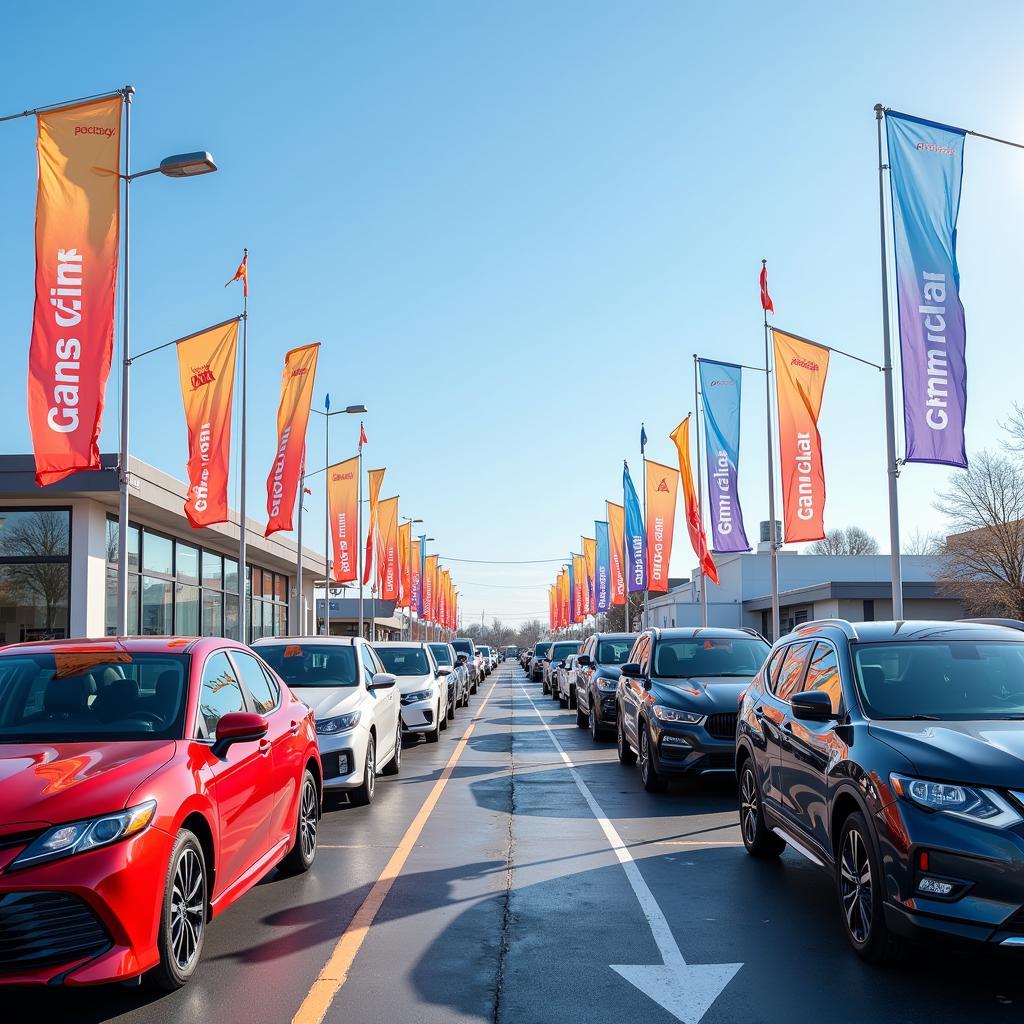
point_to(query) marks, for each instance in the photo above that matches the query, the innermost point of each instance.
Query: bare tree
(849, 541)
(983, 563)
(923, 542)
(40, 535)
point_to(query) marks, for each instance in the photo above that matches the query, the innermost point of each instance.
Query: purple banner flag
(926, 166)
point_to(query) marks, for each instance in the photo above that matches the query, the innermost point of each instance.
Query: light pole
(349, 410)
(182, 165)
(410, 520)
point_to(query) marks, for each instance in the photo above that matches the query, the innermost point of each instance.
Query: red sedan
(145, 785)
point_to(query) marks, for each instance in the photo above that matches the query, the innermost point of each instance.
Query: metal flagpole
(892, 465)
(122, 511)
(299, 625)
(327, 517)
(647, 568)
(243, 617)
(359, 528)
(700, 495)
(773, 549)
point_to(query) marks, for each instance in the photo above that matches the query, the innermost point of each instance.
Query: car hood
(608, 671)
(708, 696)
(987, 753)
(45, 784)
(410, 684)
(329, 701)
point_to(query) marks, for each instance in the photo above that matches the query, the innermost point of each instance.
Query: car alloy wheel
(188, 909)
(856, 886)
(625, 752)
(750, 806)
(309, 820)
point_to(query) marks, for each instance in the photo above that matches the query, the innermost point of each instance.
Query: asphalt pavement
(515, 872)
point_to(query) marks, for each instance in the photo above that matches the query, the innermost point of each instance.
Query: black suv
(597, 677)
(677, 698)
(891, 754)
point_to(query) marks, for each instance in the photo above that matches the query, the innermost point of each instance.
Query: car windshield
(613, 652)
(709, 656)
(302, 664)
(541, 650)
(485, 651)
(953, 680)
(86, 696)
(404, 661)
(560, 651)
(442, 655)
(463, 647)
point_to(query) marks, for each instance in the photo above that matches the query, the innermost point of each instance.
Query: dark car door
(632, 689)
(772, 710)
(584, 673)
(811, 748)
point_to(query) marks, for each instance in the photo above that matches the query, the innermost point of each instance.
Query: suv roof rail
(843, 624)
(753, 632)
(1007, 623)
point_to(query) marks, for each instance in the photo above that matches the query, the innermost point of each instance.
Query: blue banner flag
(603, 583)
(423, 573)
(643, 439)
(721, 387)
(636, 536)
(926, 163)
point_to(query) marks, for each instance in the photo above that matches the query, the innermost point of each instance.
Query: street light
(349, 410)
(180, 166)
(412, 522)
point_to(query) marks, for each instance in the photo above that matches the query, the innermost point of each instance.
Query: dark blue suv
(891, 754)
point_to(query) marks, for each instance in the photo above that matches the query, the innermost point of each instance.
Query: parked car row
(891, 755)
(150, 782)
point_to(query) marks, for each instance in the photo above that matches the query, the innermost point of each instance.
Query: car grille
(38, 929)
(723, 726)
(336, 764)
(718, 762)
(1015, 923)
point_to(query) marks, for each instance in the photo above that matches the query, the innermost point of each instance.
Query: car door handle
(758, 712)
(295, 728)
(265, 747)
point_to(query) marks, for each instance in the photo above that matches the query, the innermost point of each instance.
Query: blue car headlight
(412, 698)
(330, 726)
(664, 714)
(984, 806)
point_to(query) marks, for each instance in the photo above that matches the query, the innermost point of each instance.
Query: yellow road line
(335, 972)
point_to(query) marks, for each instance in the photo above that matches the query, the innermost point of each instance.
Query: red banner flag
(766, 300)
(616, 516)
(376, 478)
(292, 417)
(800, 371)
(681, 437)
(662, 484)
(343, 505)
(404, 566)
(242, 274)
(416, 576)
(206, 368)
(430, 588)
(77, 215)
(387, 549)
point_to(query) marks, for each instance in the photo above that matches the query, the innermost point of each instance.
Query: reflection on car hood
(710, 695)
(57, 782)
(329, 702)
(608, 671)
(409, 684)
(987, 753)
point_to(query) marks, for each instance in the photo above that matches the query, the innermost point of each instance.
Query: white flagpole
(773, 547)
(700, 495)
(243, 617)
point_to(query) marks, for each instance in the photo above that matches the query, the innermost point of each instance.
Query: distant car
(535, 668)
(485, 653)
(423, 687)
(524, 658)
(509, 652)
(558, 653)
(356, 704)
(147, 785)
(457, 673)
(597, 678)
(565, 682)
(465, 646)
(678, 697)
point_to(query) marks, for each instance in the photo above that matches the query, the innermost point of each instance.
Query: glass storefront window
(231, 575)
(41, 533)
(231, 616)
(157, 554)
(212, 568)
(157, 606)
(186, 563)
(268, 584)
(212, 613)
(280, 583)
(33, 601)
(186, 610)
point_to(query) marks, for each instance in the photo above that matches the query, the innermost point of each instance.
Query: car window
(221, 692)
(823, 674)
(771, 672)
(791, 674)
(642, 649)
(264, 694)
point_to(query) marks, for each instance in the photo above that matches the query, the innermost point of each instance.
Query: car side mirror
(812, 706)
(584, 660)
(561, 664)
(443, 670)
(382, 681)
(238, 727)
(631, 669)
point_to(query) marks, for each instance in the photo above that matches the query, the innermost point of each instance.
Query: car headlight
(329, 726)
(80, 836)
(984, 806)
(411, 698)
(665, 714)
(604, 683)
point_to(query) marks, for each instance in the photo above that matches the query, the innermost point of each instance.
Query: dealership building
(59, 569)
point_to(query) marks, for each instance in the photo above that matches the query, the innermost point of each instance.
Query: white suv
(355, 703)
(423, 686)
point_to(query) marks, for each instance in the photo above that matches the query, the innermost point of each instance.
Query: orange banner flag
(800, 371)
(662, 484)
(343, 502)
(404, 564)
(387, 549)
(77, 219)
(681, 437)
(292, 418)
(616, 516)
(430, 588)
(376, 479)
(579, 582)
(590, 568)
(206, 367)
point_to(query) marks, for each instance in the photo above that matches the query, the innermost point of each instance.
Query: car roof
(337, 641)
(616, 636)
(398, 643)
(122, 644)
(711, 632)
(916, 629)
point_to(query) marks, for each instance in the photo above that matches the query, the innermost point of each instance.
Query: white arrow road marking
(685, 990)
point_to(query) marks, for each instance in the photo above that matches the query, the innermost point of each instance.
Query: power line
(491, 561)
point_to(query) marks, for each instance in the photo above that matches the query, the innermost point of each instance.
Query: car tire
(543, 686)
(453, 706)
(860, 901)
(623, 749)
(442, 720)
(394, 766)
(758, 839)
(302, 854)
(433, 735)
(572, 698)
(563, 702)
(653, 781)
(582, 719)
(183, 915)
(597, 731)
(362, 795)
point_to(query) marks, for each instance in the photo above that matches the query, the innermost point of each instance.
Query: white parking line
(685, 990)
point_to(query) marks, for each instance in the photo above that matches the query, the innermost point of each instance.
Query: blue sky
(512, 225)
